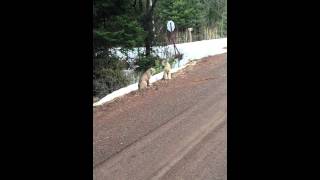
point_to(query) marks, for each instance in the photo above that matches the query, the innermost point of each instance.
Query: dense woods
(127, 24)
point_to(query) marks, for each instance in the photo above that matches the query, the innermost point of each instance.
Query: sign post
(170, 28)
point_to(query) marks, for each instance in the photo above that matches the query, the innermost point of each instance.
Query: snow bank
(200, 49)
(190, 51)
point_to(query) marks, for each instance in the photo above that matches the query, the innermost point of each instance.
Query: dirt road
(174, 130)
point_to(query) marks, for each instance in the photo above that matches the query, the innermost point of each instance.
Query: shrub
(108, 76)
(145, 62)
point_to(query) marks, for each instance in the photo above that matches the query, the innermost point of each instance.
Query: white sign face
(170, 26)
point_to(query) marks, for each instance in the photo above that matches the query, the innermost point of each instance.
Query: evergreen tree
(185, 13)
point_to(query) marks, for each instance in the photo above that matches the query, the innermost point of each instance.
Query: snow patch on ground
(190, 51)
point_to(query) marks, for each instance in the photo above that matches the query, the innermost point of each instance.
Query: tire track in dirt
(149, 136)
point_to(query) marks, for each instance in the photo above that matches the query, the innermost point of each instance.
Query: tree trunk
(186, 35)
(190, 36)
(147, 25)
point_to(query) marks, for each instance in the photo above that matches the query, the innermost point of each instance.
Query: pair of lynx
(145, 78)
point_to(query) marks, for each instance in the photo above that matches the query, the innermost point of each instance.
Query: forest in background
(128, 24)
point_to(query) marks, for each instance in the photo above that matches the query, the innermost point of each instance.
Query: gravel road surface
(175, 129)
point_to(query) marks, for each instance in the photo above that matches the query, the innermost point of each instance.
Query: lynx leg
(165, 76)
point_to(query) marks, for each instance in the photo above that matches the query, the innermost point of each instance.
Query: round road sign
(170, 26)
